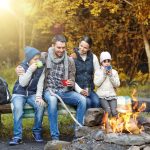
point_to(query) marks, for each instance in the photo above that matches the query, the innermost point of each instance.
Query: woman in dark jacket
(86, 64)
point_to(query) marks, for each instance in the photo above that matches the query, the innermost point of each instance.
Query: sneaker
(37, 137)
(15, 141)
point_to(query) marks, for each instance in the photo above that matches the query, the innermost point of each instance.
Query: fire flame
(125, 122)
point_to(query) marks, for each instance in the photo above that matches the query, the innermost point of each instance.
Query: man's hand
(70, 83)
(40, 101)
(19, 70)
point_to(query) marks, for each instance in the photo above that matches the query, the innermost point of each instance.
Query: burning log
(132, 127)
(142, 107)
(105, 123)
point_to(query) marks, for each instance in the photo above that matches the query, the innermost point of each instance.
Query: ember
(125, 122)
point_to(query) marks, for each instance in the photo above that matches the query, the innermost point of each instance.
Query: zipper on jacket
(17, 87)
(27, 93)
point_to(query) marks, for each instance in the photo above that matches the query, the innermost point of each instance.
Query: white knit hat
(104, 56)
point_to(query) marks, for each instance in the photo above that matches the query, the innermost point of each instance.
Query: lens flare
(5, 4)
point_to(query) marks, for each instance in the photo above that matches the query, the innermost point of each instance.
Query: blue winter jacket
(31, 88)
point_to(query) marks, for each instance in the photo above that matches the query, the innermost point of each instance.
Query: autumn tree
(119, 26)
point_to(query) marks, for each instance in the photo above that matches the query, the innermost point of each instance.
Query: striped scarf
(57, 70)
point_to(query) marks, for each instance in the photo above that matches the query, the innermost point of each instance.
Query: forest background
(121, 27)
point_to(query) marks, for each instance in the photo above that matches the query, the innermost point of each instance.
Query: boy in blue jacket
(24, 92)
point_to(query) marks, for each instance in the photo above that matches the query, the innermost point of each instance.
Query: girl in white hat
(107, 80)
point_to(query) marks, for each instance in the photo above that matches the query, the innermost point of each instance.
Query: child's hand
(33, 67)
(19, 70)
(40, 101)
(109, 72)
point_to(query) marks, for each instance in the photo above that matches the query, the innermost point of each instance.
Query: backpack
(5, 96)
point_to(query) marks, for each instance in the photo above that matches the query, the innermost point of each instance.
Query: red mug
(64, 82)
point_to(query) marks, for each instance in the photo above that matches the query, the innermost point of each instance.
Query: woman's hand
(84, 92)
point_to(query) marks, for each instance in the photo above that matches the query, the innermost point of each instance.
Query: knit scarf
(51, 59)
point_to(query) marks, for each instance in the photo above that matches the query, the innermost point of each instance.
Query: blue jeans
(52, 114)
(18, 102)
(71, 98)
(92, 100)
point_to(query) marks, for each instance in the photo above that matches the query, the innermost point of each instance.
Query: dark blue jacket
(84, 70)
(31, 88)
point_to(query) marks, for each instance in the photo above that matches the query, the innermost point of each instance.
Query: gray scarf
(51, 59)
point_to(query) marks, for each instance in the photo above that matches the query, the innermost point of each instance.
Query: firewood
(132, 127)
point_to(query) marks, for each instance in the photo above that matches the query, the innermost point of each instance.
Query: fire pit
(95, 139)
(120, 133)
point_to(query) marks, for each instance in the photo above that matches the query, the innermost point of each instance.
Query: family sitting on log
(53, 76)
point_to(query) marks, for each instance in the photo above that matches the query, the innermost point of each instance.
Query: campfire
(125, 122)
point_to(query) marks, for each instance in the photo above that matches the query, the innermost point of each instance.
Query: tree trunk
(33, 36)
(38, 6)
(147, 46)
(21, 39)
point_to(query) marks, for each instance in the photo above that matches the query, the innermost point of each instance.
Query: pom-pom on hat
(104, 56)
(30, 52)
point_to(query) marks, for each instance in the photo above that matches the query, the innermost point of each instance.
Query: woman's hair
(87, 39)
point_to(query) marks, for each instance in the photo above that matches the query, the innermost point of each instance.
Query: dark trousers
(109, 106)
